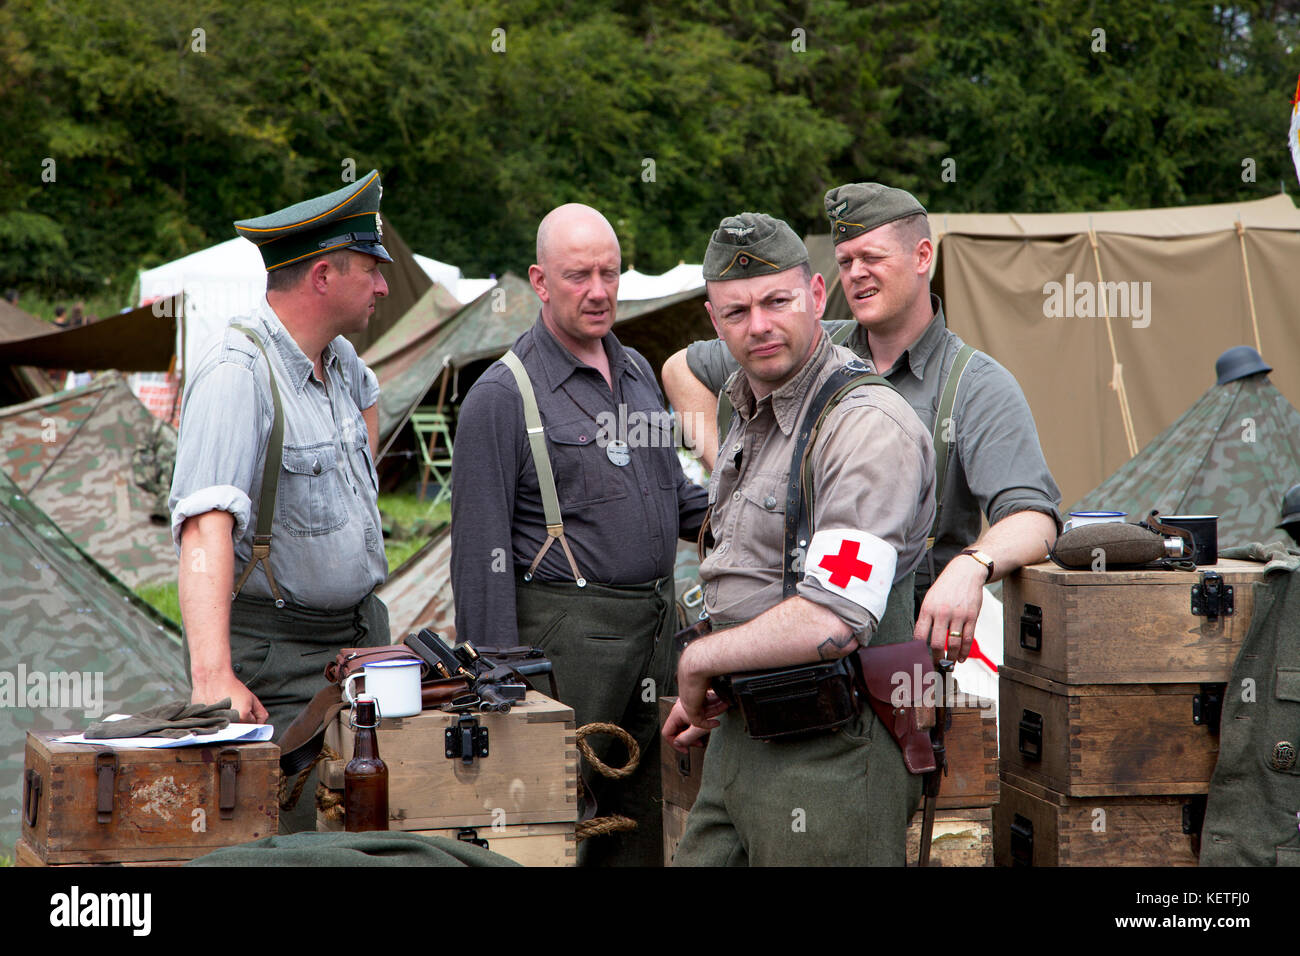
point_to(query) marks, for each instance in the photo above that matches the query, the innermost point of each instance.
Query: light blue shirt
(327, 551)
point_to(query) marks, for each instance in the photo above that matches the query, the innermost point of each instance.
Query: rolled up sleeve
(1000, 452)
(711, 362)
(220, 449)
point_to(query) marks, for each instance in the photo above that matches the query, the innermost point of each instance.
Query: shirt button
(315, 467)
(736, 447)
(769, 503)
(735, 496)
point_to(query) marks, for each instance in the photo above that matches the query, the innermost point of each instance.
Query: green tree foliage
(165, 121)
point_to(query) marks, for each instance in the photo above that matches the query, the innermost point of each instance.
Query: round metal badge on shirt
(616, 451)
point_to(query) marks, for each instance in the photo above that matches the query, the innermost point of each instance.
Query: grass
(408, 523)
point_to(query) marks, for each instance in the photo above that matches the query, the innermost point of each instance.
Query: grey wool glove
(176, 718)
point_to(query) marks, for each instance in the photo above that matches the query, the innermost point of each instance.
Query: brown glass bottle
(365, 779)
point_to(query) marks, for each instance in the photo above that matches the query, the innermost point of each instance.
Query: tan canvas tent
(1196, 281)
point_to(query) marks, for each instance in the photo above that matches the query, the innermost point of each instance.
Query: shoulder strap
(270, 482)
(799, 489)
(941, 433)
(542, 462)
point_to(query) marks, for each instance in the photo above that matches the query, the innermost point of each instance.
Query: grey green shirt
(326, 549)
(997, 465)
(622, 522)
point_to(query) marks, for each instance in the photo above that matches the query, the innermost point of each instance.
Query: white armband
(855, 564)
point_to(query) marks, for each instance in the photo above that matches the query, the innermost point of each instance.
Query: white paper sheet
(234, 733)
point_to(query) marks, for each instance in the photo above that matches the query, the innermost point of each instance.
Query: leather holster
(889, 675)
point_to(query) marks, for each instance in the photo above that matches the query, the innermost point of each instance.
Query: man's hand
(678, 731)
(693, 689)
(950, 609)
(213, 689)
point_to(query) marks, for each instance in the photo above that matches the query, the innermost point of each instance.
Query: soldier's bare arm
(695, 406)
(207, 573)
(953, 602)
(796, 631)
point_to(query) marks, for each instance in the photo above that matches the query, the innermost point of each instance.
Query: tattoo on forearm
(826, 650)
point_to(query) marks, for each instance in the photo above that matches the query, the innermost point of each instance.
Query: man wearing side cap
(275, 496)
(565, 521)
(839, 796)
(987, 451)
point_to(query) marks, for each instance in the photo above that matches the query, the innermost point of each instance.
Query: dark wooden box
(1091, 740)
(1123, 627)
(1035, 826)
(93, 804)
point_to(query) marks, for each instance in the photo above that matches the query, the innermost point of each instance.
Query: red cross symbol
(845, 566)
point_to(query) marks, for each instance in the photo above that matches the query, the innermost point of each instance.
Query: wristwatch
(983, 559)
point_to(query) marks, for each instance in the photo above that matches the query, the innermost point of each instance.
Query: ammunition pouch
(789, 702)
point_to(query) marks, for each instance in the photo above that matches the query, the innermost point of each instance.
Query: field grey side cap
(347, 218)
(856, 208)
(752, 244)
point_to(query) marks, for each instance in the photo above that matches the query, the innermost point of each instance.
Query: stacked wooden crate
(1110, 688)
(963, 823)
(514, 790)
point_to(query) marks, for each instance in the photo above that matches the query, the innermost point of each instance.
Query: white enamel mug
(1080, 518)
(395, 686)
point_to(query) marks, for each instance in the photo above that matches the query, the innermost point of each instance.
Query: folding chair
(431, 425)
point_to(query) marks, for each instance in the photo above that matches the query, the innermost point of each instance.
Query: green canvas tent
(100, 465)
(75, 643)
(1233, 453)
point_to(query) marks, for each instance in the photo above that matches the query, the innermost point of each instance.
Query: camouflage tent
(1233, 454)
(100, 465)
(75, 644)
(438, 342)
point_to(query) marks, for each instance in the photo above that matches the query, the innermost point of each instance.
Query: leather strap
(270, 483)
(940, 435)
(799, 489)
(545, 476)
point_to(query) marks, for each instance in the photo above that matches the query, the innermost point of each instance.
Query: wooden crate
(1123, 627)
(158, 805)
(679, 773)
(530, 775)
(972, 745)
(674, 827)
(961, 837)
(972, 748)
(1035, 826)
(26, 855)
(1104, 739)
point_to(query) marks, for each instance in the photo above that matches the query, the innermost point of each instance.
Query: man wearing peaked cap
(274, 500)
(859, 517)
(987, 452)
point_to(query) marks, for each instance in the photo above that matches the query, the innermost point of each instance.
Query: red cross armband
(854, 564)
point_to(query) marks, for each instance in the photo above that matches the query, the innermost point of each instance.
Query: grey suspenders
(545, 477)
(270, 484)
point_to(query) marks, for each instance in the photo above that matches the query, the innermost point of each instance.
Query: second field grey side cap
(856, 208)
(752, 244)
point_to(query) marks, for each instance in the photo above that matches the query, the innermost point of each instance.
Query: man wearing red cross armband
(820, 503)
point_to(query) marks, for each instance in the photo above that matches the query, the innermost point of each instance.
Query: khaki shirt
(873, 473)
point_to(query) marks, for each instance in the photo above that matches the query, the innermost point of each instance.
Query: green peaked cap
(752, 244)
(347, 218)
(860, 207)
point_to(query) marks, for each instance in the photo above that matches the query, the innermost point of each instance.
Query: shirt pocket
(760, 528)
(309, 499)
(584, 475)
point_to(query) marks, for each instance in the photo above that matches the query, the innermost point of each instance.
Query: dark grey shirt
(326, 549)
(997, 465)
(622, 522)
